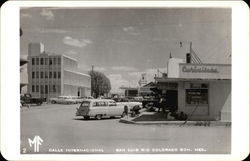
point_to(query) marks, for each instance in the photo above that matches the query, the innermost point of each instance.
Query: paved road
(63, 132)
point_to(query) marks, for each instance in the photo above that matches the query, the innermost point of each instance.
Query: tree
(100, 83)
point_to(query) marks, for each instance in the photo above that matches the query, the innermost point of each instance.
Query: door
(172, 99)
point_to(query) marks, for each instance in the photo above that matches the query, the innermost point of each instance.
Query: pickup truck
(27, 99)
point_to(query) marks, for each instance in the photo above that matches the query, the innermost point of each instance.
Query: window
(37, 61)
(59, 88)
(45, 61)
(37, 74)
(42, 89)
(46, 89)
(96, 104)
(55, 75)
(54, 61)
(50, 74)
(41, 61)
(59, 75)
(33, 74)
(112, 103)
(59, 61)
(50, 61)
(54, 88)
(50, 88)
(41, 74)
(37, 88)
(33, 61)
(33, 88)
(197, 94)
(45, 74)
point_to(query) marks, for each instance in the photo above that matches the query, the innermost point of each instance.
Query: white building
(51, 75)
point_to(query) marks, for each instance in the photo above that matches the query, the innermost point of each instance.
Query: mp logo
(37, 141)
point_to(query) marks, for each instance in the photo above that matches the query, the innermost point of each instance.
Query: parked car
(99, 108)
(129, 103)
(27, 99)
(63, 100)
(80, 99)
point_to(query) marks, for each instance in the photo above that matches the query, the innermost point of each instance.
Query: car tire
(123, 114)
(86, 117)
(98, 117)
(53, 102)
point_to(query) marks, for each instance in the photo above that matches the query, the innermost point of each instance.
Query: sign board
(205, 71)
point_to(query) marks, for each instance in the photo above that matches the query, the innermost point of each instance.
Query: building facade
(202, 91)
(51, 75)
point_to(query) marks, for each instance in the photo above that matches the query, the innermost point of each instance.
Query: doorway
(172, 99)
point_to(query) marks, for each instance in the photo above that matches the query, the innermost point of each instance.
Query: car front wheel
(98, 117)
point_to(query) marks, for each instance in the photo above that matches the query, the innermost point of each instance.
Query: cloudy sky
(124, 43)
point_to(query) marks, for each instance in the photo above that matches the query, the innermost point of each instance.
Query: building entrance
(172, 99)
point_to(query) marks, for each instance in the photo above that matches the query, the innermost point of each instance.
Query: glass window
(50, 74)
(37, 74)
(50, 61)
(46, 89)
(50, 88)
(45, 61)
(59, 74)
(41, 61)
(59, 61)
(33, 88)
(54, 88)
(42, 90)
(33, 74)
(37, 88)
(59, 88)
(45, 74)
(33, 61)
(54, 74)
(37, 61)
(112, 103)
(197, 96)
(41, 74)
(54, 61)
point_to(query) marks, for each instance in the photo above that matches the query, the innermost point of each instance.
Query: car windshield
(85, 104)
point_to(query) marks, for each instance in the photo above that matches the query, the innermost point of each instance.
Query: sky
(124, 43)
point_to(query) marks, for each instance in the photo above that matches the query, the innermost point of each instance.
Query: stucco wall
(219, 98)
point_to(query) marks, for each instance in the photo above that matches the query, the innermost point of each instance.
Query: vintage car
(63, 100)
(27, 99)
(99, 108)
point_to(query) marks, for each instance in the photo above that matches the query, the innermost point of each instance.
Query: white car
(99, 108)
(63, 100)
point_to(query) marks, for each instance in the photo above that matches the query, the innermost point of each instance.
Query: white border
(10, 77)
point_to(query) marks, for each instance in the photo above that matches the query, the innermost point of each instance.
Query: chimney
(188, 58)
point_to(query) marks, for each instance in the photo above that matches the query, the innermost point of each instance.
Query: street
(62, 132)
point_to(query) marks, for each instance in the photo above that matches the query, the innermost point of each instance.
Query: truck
(27, 99)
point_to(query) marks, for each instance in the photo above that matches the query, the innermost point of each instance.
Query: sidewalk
(155, 118)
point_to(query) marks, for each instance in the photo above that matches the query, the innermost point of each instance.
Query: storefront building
(202, 91)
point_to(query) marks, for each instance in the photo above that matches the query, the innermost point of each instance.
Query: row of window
(46, 61)
(46, 74)
(44, 89)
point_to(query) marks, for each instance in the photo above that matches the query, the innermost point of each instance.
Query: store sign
(199, 69)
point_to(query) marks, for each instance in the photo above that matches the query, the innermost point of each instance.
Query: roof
(160, 79)
(77, 72)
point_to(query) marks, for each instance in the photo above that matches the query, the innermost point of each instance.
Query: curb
(180, 123)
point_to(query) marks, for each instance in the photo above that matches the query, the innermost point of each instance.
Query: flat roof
(160, 79)
(69, 57)
(77, 72)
